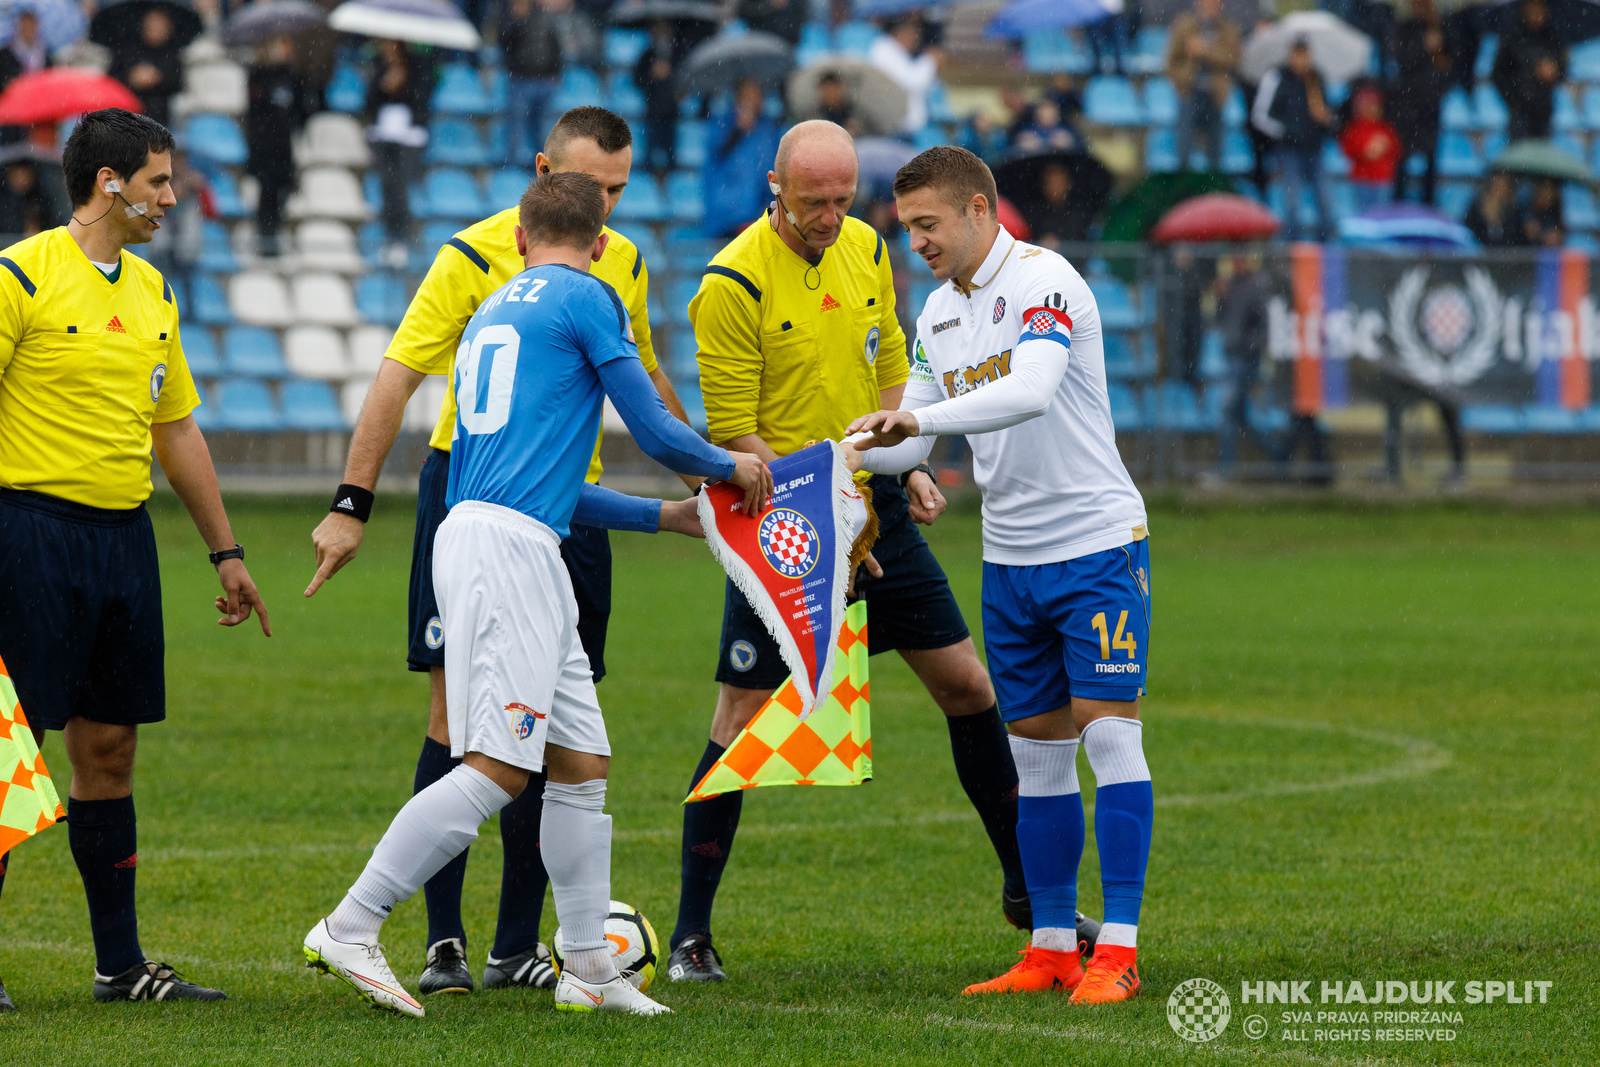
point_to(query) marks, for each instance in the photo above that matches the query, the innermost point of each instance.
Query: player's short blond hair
(954, 173)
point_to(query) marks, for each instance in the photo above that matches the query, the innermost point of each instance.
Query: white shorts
(516, 674)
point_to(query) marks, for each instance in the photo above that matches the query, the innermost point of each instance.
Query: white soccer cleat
(574, 994)
(363, 966)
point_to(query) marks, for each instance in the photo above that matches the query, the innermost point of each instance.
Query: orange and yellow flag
(28, 800)
(783, 746)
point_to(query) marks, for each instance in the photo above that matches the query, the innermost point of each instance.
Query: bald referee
(92, 378)
(795, 326)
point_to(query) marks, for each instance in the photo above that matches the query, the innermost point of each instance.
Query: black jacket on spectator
(10, 71)
(1291, 107)
(1413, 101)
(279, 106)
(531, 45)
(1530, 100)
(1502, 232)
(416, 93)
(168, 60)
(782, 17)
(1242, 318)
(660, 96)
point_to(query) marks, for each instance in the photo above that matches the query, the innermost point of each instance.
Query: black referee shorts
(586, 551)
(910, 607)
(80, 611)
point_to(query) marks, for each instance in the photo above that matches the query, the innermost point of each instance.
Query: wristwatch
(236, 552)
(923, 467)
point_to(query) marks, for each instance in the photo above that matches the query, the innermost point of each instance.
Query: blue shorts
(80, 611)
(586, 551)
(1076, 628)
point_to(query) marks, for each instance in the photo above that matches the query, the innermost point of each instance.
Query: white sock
(1115, 747)
(1045, 768)
(1055, 939)
(1123, 934)
(575, 841)
(434, 827)
(353, 922)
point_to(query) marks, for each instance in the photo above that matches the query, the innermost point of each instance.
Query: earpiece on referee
(777, 191)
(113, 186)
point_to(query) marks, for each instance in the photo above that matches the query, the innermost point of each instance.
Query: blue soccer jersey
(529, 392)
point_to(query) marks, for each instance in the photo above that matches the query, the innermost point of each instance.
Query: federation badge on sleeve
(999, 308)
(158, 378)
(871, 347)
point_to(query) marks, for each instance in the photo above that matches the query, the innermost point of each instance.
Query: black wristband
(354, 501)
(236, 552)
(905, 476)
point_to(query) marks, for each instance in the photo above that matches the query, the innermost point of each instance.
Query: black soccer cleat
(446, 971)
(1088, 934)
(694, 960)
(6, 1003)
(1018, 910)
(151, 981)
(532, 968)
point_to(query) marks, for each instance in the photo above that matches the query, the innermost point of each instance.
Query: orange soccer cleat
(1040, 969)
(1111, 976)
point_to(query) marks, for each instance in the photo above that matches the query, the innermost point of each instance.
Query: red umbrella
(1009, 217)
(1216, 217)
(59, 92)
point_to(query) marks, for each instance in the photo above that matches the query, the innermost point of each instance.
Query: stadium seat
(216, 248)
(939, 109)
(1054, 51)
(452, 193)
(246, 405)
(367, 346)
(1161, 150)
(1567, 116)
(685, 195)
(1149, 54)
(1125, 413)
(324, 299)
(381, 298)
(691, 143)
(205, 416)
(623, 96)
(1591, 107)
(642, 200)
(210, 302)
(1456, 112)
(316, 352)
(1584, 242)
(435, 235)
(644, 239)
(347, 91)
(624, 47)
(1122, 357)
(200, 352)
(230, 205)
(1238, 155)
(253, 352)
(1492, 418)
(1458, 158)
(1487, 49)
(506, 187)
(351, 394)
(855, 38)
(216, 86)
(1160, 102)
(498, 89)
(1234, 112)
(681, 290)
(329, 193)
(1334, 161)
(423, 409)
(217, 138)
(456, 141)
(1568, 141)
(1112, 101)
(1494, 143)
(1453, 198)
(180, 293)
(1117, 310)
(1175, 407)
(326, 244)
(1548, 418)
(1489, 108)
(259, 298)
(460, 92)
(1583, 62)
(312, 407)
(335, 140)
(1213, 356)
(579, 86)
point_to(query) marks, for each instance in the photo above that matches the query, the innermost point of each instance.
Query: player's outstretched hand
(751, 473)
(240, 596)
(337, 539)
(888, 428)
(922, 493)
(681, 516)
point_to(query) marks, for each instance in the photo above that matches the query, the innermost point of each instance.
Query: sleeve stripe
(638, 264)
(166, 294)
(877, 256)
(1052, 336)
(28, 285)
(471, 253)
(728, 272)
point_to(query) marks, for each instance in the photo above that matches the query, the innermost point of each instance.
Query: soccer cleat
(6, 1003)
(1018, 910)
(694, 960)
(151, 981)
(574, 994)
(531, 968)
(363, 966)
(1041, 969)
(1111, 977)
(446, 971)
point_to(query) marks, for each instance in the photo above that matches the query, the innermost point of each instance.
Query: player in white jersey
(535, 363)
(1009, 352)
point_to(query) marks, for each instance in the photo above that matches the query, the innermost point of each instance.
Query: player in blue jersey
(534, 365)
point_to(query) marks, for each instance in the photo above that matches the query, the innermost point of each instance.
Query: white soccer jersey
(1054, 486)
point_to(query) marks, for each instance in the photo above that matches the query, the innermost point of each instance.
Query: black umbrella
(725, 61)
(1571, 21)
(265, 19)
(118, 21)
(1018, 179)
(692, 20)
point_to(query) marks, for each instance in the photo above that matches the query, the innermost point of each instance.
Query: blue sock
(1124, 810)
(443, 891)
(708, 829)
(104, 839)
(1050, 835)
(523, 878)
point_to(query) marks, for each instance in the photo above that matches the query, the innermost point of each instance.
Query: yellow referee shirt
(87, 362)
(471, 266)
(790, 351)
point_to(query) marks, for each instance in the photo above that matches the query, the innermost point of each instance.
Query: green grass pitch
(1374, 733)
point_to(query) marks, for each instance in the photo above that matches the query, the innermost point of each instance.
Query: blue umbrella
(872, 9)
(1405, 224)
(60, 21)
(1022, 17)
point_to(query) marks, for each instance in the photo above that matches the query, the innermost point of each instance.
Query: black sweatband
(905, 476)
(354, 501)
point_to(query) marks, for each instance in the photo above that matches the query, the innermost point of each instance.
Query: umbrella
(724, 61)
(1541, 159)
(881, 158)
(1022, 17)
(118, 21)
(1339, 50)
(269, 18)
(875, 9)
(434, 22)
(692, 20)
(1008, 216)
(60, 21)
(1134, 214)
(1017, 179)
(1406, 224)
(1571, 21)
(56, 93)
(880, 104)
(1216, 217)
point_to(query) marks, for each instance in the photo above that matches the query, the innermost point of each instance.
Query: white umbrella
(1338, 50)
(434, 22)
(880, 104)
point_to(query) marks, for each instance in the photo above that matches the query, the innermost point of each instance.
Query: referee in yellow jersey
(92, 378)
(472, 265)
(796, 329)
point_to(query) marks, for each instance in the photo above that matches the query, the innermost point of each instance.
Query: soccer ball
(634, 945)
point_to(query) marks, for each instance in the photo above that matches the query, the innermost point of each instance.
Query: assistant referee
(92, 377)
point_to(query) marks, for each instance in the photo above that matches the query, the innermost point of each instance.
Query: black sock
(708, 829)
(523, 878)
(443, 891)
(3, 860)
(105, 843)
(982, 754)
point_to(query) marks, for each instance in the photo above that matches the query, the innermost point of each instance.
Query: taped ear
(777, 190)
(113, 186)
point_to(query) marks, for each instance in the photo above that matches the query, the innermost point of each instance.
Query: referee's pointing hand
(240, 596)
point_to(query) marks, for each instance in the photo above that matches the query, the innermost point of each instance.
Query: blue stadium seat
(1456, 112)
(1112, 101)
(1493, 144)
(1122, 357)
(500, 143)
(855, 38)
(253, 352)
(690, 256)
(1566, 116)
(381, 298)
(230, 205)
(624, 47)
(1589, 419)
(452, 193)
(1489, 108)
(243, 404)
(205, 416)
(1234, 111)
(460, 91)
(1568, 141)
(372, 191)
(370, 240)
(815, 36)
(312, 407)
(347, 91)
(216, 248)
(623, 96)
(498, 89)
(210, 302)
(686, 195)
(939, 104)
(1453, 198)
(1175, 407)
(691, 143)
(1591, 107)
(200, 352)
(180, 294)
(1161, 150)
(1548, 418)
(1583, 241)
(506, 187)
(456, 142)
(681, 290)
(1583, 62)
(1484, 64)
(1458, 157)
(579, 86)
(644, 239)
(1054, 51)
(435, 235)
(1213, 356)
(1238, 155)
(1149, 55)
(1117, 311)
(1492, 418)
(1334, 161)
(1125, 412)
(642, 200)
(217, 138)
(1160, 102)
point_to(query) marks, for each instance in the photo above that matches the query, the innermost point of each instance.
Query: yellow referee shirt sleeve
(893, 367)
(639, 314)
(727, 335)
(11, 297)
(452, 290)
(178, 393)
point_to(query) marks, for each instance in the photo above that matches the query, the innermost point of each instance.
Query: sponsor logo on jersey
(789, 542)
(1144, 581)
(115, 325)
(742, 656)
(523, 720)
(1116, 668)
(871, 347)
(433, 633)
(158, 378)
(1030, 253)
(947, 324)
(829, 303)
(999, 308)
(920, 371)
(965, 380)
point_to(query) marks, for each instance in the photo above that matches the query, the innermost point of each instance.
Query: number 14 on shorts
(1121, 640)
